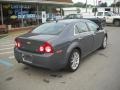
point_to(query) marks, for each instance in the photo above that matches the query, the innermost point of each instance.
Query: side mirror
(98, 28)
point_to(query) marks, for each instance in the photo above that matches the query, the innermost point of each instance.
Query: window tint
(107, 14)
(92, 26)
(50, 28)
(82, 27)
(78, 16)
(100, 14)
(69, 17)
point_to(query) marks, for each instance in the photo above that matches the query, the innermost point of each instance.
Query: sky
(92, 1)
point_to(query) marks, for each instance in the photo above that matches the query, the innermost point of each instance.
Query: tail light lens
(17, 43)
(46, 48)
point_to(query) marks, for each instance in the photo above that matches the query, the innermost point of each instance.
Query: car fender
(70, 48)
(116, 19)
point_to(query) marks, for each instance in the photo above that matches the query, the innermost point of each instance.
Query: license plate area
(27, 58)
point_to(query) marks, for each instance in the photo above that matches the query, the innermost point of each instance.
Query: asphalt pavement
(98, 71)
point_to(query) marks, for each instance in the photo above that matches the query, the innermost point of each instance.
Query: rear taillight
(17, 43)
(45, 48)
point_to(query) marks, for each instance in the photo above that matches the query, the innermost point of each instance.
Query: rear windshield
(50, 28)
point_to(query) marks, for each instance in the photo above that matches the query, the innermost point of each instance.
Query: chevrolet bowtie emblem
(28, 42)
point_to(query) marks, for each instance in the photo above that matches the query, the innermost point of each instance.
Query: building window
(14, 14)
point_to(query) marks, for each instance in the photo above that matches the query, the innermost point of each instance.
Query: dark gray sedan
(61, 44)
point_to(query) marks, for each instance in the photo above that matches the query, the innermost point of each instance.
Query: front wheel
(104, 43)
(74, 60)
(117, 23)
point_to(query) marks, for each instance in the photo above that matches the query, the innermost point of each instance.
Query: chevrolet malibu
(60, 44)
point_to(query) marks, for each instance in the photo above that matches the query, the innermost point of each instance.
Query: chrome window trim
(74, 30)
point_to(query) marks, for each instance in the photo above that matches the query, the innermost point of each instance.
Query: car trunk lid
(31, 42)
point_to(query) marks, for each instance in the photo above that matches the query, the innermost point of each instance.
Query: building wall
(70, 12)
(73, 10)
(28, 13)
(67, 1)
(70, 1)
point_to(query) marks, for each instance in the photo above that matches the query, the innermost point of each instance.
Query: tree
(78, 10)
(103, 5)
(118, 4)
(80, 4)
(94, 10)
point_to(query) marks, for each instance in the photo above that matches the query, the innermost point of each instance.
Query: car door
(98, 34)
(85, 38)
(109, 18)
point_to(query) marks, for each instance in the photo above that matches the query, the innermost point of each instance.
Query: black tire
(117, 23)
(104, 43)
(70, 61)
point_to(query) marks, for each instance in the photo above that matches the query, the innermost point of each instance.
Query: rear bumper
(53, 62)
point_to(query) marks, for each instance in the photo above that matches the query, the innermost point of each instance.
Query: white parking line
(6, 49)
(6, 53)
(1, 43)
(7, 45)
(11, 57)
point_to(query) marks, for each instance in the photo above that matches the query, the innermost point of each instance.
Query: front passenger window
(107, 14)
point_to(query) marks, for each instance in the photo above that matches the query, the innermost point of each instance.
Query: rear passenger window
(70, 16)
(82, 27)
(78, 16)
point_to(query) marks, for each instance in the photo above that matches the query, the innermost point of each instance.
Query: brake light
(41, 49)
(46, 48)
(17, 44)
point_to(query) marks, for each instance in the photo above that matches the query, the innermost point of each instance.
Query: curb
(3, 35)
(22, 28)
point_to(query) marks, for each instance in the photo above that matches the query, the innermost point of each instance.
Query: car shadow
(47, 74)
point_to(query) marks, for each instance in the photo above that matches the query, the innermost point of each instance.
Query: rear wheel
(117, 23)
(74, 60)
(104, 43)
